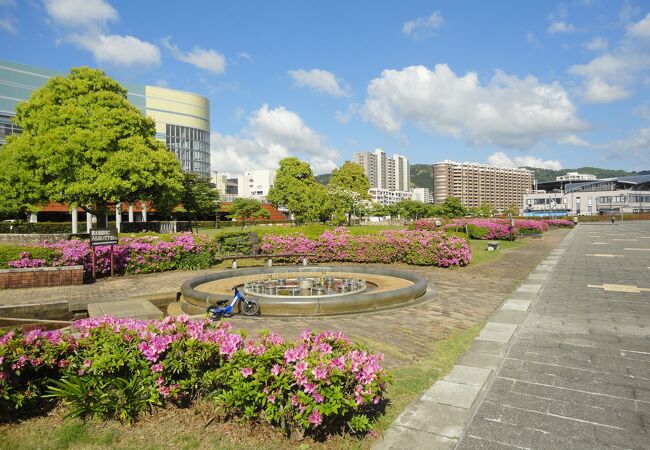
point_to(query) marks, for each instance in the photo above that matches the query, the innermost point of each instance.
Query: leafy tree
(512, 209)
(484, 210)
(293, 185)
(84, 144)
(452, 207)
(348, 187)
(199, 197)
(247, 208)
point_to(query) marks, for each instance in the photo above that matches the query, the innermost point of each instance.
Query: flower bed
(559, 222)
(484, 228)
(143, 254)
(417, 247)
(121, 368)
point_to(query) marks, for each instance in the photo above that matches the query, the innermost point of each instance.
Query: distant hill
(542, 175)
(422, 174)
(324, 178)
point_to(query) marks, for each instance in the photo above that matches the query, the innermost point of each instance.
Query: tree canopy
(247, 208)
(452, 207)
(198, 197)
(348, 189)
(293, 189)
(84, 144)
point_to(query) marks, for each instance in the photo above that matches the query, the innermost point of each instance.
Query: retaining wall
(41, 277)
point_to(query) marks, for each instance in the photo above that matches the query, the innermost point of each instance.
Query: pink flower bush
(417, 247)
(558, 222)
(26, 261)
(143, 254)
(117, 368)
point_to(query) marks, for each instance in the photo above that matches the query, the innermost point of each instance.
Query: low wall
(26, 239)
(41, 277)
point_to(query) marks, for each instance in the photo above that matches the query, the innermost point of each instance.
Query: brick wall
(41, 276)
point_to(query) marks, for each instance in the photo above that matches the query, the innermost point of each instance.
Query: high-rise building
(182, 118)
(480, 184)
(383, 172)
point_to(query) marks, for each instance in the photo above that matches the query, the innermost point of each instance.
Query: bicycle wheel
(250, 308)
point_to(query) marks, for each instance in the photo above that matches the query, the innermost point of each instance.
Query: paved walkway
(574, 372)
(459, 298)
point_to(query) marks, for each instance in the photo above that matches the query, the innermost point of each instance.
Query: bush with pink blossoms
(144, 254)
(424, 224)
(28, 363)
(418, 247)
(26, 261)
(114, 368)
(559, 222)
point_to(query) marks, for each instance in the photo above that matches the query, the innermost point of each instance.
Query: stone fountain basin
(393, 287)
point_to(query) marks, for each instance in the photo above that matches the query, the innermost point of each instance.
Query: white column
(144, 212)
(89, 222)
(33, 218)
(118, 216)
(75, 220)
(130, 212)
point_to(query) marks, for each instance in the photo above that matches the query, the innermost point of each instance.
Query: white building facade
(423, 195)
(387, 197)
(386, 174)
(251, 184)
(608, 196)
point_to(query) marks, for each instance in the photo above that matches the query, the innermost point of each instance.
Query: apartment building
(384, 172)
(422, 195)
(479, 184)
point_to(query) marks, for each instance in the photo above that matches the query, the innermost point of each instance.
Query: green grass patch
(481, 255)
(409, 382)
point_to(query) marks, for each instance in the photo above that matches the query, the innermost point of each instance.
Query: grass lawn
(192, 428)
(480, 254)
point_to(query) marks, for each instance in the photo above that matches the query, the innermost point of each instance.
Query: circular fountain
(316, 290)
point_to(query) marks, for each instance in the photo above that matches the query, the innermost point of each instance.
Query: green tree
(198, 197)
(348, 187)
(512, 209)
(452, 207)
(247, 208)
(84, 144)
(484, 210)
(294, 183)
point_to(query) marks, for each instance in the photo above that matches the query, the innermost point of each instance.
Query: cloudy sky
(538, 83)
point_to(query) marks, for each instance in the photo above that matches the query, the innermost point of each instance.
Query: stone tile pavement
(572, 373)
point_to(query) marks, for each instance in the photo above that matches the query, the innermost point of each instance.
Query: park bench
(492, 245)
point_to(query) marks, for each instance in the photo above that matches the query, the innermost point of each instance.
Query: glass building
(182, 118)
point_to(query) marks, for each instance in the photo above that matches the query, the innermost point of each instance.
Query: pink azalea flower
(246, 372)
(315, 418)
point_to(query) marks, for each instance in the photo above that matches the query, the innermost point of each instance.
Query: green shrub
(236, 242)
(39, 227)
(12, 252)
(476, 232)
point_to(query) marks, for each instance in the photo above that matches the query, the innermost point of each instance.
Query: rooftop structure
(575, 176)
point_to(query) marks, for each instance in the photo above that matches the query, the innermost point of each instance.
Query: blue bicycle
(247, 306)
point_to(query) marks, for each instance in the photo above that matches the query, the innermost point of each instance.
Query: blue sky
(547, 84)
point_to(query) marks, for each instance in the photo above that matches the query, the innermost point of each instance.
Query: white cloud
(640, 29)
(272, 134)
(503, 160)
(574, 140)
(118, 50)
(321, 80)
(246, 56)
(80, 13)
(610, 76)
(206, 59)
(560, 27)
(7, 24)
(598, 91)
(596, 44)
(423, 26)
(532, 40)
(507, 111)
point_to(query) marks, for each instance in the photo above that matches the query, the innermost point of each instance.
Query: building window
(192, 148)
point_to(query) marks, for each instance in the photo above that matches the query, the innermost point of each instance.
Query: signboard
(103, 237)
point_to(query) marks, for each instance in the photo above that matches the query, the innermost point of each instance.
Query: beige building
(480, 184)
